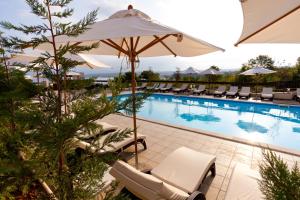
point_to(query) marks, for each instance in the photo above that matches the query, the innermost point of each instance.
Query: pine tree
(278, 181)
(70, 174)
(16, 177)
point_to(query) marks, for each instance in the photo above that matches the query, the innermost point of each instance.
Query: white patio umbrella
(255, 71)
(190, 71)
(210, 72)
(134, 34)
(270, 21)
(89, 60)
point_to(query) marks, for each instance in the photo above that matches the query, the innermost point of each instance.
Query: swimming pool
(255, 122)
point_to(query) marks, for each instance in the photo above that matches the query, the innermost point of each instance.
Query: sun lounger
(179, 176)
(267, 93)
(220, 91)
(184, 87)
(85, 143)
(162, 85)
(245, 92)
(142, 87)
(233, 90)
(105, 128)
(167, 88)
(199, 90)
(153, 87)
(243, 184)
(298, 94)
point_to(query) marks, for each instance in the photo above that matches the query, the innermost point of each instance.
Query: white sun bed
(167, 88)
(220, 91)
(179, 176)
(111, 147)
(233, 90)
(245, 92)
(199, 90)
(298, 94)
(267, 93)
(243, 184)
(162, 85)
(183, 88)
(106, 128)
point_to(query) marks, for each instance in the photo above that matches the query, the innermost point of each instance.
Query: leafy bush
(278, 181)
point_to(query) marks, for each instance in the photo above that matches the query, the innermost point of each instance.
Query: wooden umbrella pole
(133, 85)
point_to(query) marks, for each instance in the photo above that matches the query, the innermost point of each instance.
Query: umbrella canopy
(117, 30)
(210, 71)
(257, 70)
(88, 59)
(190, 70)
(134, 34)
(269, 21)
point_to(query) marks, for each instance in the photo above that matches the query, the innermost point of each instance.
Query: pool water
(257, 122)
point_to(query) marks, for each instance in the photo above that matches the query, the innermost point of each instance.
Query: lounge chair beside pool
(267, 93)
(199, 90)
(297, 94)
(184, 87)
(220, 91)
(179, 176)
(162, 85)
(245, 92)
(232, 92)
(142, 87)
(167, 88)
(153, 87)
(243, 184)
(83, 141)
(106, 128)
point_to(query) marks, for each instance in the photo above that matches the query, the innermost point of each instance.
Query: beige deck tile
(221, 170)
(212, 193)
(224, 160)
(221, 195)
(225, 184)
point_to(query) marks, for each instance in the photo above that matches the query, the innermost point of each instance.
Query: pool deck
(162, 140)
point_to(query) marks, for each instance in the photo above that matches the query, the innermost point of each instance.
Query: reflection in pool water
(266, 123)
(251, 127)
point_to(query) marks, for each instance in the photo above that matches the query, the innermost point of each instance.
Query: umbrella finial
(130, 7)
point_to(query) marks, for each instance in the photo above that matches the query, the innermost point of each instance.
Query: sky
(218, 22)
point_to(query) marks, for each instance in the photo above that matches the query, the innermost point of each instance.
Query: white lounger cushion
(184, 169)
(145, 186)
(119, 145)
(243, 184)
(112, 147)
(106, 127)
(267, 93)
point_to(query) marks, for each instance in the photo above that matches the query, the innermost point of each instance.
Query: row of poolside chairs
(245, 92)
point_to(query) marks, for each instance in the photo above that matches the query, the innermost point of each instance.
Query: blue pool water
(271, 124)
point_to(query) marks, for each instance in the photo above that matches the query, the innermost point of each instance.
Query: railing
(282, 85)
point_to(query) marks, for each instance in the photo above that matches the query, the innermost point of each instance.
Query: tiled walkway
(162, 140)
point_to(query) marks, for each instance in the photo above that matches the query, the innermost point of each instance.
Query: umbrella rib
(126, 43)
(150, 44)
(115, 46)
(266, 26)
(164, 44)
(119, 54)
(136, 43)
